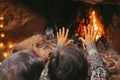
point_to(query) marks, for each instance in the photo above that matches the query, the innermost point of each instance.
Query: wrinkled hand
(62, 36)
(90, 35)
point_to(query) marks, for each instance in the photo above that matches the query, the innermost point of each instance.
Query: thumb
(69, 41)
(83, 40)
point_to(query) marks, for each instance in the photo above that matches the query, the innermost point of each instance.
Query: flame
(95, 22)
(97, 26)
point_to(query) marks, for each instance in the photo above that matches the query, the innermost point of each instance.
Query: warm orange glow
(1, 18)
(10, 46)
(1, 45)
(97, 26)
(5, 54)
(2, 35)
(0, 63)
(80, 30)
(1, 25)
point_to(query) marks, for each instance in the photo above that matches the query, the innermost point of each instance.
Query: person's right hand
(90, 35)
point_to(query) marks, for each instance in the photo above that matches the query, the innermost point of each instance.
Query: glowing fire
(95, 22)
(97, 26)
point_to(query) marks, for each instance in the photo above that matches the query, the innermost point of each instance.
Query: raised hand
(62, 36)
(90, 35)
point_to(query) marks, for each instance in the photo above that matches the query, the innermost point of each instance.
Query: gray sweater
(98, 70)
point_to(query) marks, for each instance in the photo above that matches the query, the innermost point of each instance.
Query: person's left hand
(62, 36)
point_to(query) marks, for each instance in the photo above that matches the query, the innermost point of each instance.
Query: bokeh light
(1, 25)
(2, 35)
(1, 18)
(1, 45)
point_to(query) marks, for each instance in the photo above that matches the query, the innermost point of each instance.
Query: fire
(97, 25)
(95, 22)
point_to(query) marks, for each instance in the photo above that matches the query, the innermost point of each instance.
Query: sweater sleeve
(60, 46)
(44, 74)
(98, 70)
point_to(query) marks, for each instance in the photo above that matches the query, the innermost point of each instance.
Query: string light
(1, 45)
(1, 25)
(1, 18)
(5, 54)
(0, 63)
(6, 46)
(2, 35)
(10, 46)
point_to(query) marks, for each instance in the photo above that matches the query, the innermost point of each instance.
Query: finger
(69, 41)
(92, 30)
(63, 32)
(60, 33)
(57, 35)
(66, 34)
(95, 34)
(88, 28)
(83, 40)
